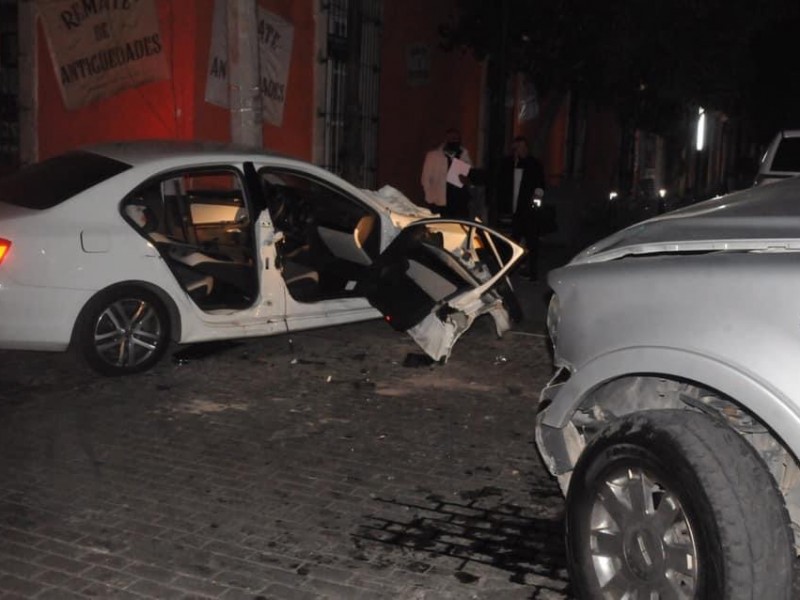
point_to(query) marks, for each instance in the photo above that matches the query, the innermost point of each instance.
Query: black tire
(123, 330)
(658, 487)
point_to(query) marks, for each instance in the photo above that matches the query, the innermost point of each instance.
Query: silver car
(672, 421)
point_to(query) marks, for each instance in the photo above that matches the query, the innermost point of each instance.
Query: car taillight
(5, 245)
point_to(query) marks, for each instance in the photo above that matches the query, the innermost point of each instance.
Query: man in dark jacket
(521, 191)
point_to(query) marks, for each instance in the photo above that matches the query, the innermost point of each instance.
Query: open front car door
(437, 276)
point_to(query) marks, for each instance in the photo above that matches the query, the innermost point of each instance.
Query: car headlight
(553, 318)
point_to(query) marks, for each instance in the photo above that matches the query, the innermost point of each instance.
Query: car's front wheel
(673, 504)
(122, 331)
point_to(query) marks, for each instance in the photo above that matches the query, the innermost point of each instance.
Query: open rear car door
(438, 275)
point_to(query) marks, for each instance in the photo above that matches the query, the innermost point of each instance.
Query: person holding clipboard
(445, 175)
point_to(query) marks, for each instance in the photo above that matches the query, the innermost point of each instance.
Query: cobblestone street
(314, 465)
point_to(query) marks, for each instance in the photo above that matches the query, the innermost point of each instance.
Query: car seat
(198, 285)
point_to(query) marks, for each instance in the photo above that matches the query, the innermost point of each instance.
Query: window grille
(352, 78)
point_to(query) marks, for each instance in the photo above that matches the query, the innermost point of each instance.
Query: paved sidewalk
(307, 466)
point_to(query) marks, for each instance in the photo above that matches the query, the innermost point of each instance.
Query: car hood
(760, 218)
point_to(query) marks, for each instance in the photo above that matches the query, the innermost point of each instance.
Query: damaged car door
(437, 276)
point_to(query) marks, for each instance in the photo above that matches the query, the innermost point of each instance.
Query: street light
(701, 129)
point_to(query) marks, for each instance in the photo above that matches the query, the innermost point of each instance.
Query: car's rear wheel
(122, 331)
(672, 504)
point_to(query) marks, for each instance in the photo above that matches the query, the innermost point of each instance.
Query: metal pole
(243, 63)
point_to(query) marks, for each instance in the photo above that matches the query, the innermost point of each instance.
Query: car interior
(328, 244)
(330, 248)
(329, 241)
(200, 223)
(425, 266)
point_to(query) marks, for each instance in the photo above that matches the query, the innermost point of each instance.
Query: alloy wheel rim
(641, 542)
(127, 333)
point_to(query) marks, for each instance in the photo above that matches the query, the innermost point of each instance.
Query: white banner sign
(100, 47)
(275, 38)
(217, 76)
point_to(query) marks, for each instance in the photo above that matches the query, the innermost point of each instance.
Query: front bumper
(559, 447)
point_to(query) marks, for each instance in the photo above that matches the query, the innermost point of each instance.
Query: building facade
(361, 87)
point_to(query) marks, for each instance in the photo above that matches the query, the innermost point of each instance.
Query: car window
(787, 156)
(300, 192)
(214, 198)
(194, 207)
(312, 212)
(52, 181)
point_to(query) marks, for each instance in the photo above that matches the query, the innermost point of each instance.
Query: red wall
(600, 161)
(162, 109)
(548, 146)
(175, 108)
(413, 118)
(601, 165)
(295, 136)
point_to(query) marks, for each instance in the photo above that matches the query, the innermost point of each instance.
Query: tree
(774, 100)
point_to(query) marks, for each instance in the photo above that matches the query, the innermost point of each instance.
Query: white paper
(217, 74)
(276, 35)
(457, 168)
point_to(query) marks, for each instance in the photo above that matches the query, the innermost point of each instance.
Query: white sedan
(120, 248)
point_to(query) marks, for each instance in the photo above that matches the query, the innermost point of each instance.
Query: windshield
(50, 182)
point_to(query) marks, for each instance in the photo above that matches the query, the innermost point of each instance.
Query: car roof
(140, 152)
(154, 154)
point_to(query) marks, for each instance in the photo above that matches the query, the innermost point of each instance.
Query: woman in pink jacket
(442, 197)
